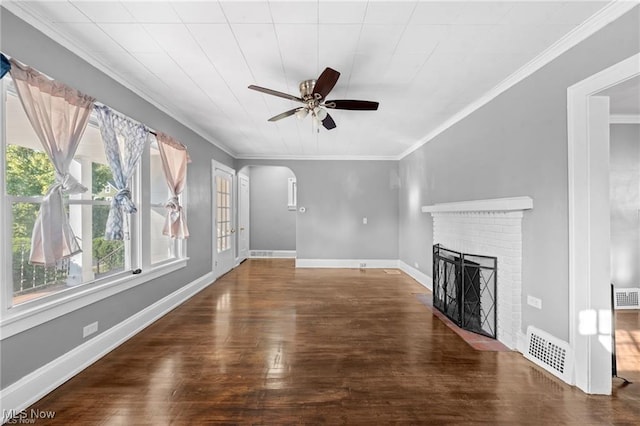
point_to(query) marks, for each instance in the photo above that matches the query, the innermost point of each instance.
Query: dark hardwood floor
(271, 344)
(628, 345)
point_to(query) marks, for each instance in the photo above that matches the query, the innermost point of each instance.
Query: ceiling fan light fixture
(302, 113)
(321, 113)
(313, 95)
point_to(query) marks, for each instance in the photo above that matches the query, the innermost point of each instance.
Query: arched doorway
(267, 210)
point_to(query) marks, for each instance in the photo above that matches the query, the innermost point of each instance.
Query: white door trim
(222, 167)
(242, 208)
(587, 319)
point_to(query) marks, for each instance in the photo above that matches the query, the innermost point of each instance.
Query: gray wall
(27, 351)
(337, 195)
(272, 225)
(625, 205)
(513, 146)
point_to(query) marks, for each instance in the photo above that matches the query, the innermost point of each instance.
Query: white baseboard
(268, 254)
(346, 263)
(417, 275)
(26, 391)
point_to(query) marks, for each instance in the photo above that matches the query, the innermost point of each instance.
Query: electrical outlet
(89, 329)
(416, 265)
(363, 265)
(534, 301)
(364, 220)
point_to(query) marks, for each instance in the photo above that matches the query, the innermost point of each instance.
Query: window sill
(29, 315)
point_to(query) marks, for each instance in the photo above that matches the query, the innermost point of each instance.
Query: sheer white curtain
(174, 158)
(59, 116)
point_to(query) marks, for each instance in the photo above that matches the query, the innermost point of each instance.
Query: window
(28, 173)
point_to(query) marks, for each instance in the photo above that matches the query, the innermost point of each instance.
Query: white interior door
(224, 238)
(243, 217)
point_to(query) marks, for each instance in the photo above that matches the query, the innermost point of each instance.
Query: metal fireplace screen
(464, 289)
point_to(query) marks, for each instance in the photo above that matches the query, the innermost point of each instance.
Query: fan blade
(328, 123)
(275, 93)
(285, 114)
(325, 83)
(352, 105)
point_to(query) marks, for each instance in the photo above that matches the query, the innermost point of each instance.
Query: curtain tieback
(174, 206)
(123, 199)
(66, 184)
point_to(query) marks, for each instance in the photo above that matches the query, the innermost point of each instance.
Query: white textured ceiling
(423, 61)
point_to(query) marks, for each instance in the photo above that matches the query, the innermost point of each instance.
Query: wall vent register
(550, 353)
(627, 298)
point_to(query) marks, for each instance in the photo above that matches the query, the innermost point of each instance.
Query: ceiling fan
(312, 95)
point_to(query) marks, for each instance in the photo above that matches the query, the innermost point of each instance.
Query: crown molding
(624, 119)
(21, 10)
(600, 19)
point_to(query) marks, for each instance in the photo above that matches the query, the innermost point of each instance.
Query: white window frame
(7, 267)
(22, 317)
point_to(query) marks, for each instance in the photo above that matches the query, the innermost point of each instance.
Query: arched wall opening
(272, 211)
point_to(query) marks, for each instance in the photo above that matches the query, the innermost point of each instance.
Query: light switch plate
(534, 301)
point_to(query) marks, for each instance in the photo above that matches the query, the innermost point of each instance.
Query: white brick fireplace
(490, 227)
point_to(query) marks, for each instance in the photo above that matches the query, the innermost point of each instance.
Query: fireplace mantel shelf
(488, 205)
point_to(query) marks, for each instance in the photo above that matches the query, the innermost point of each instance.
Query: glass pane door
(223, 213)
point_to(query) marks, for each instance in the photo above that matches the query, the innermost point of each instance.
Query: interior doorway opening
(590, 309)
(267, 212)
(624, 177)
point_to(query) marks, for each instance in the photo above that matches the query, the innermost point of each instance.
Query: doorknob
(233, 231)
